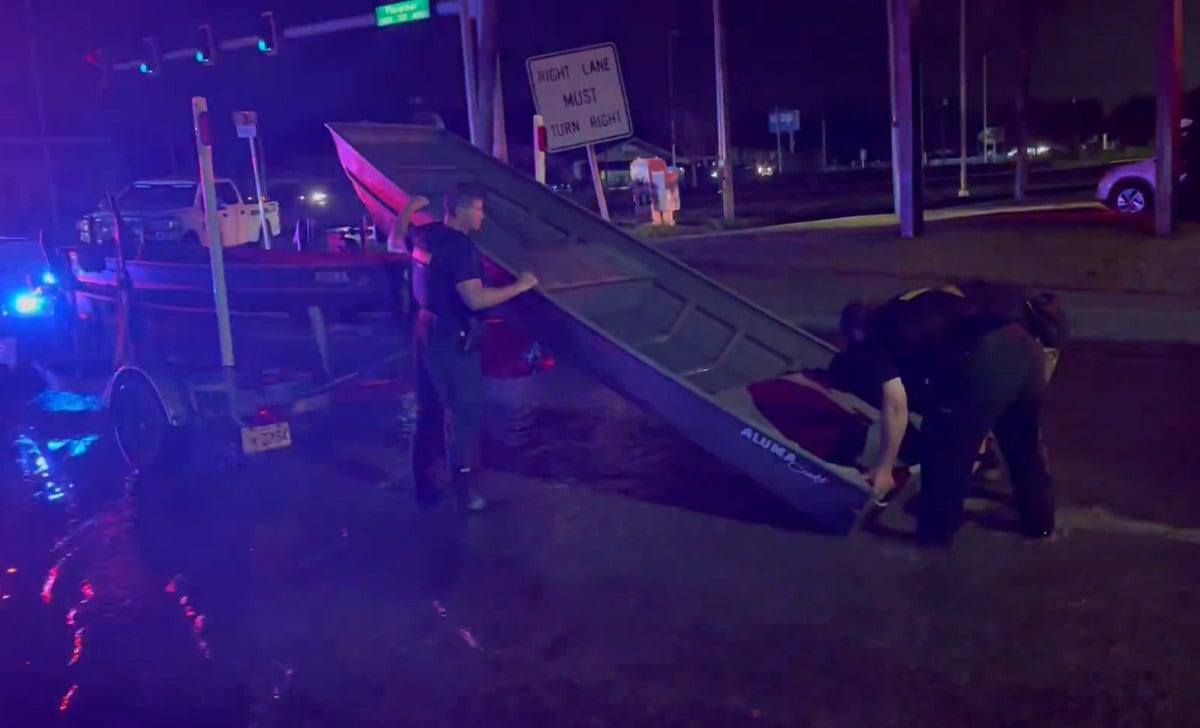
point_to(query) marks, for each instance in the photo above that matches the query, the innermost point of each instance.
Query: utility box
(655, 191)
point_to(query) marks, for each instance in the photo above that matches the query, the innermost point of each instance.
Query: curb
(1193, 299)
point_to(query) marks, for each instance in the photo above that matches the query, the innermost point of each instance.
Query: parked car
(162, 211)
(1128, 189)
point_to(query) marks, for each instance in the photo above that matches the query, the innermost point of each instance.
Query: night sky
(790, 53)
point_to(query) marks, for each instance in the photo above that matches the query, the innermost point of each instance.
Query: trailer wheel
(146, 437)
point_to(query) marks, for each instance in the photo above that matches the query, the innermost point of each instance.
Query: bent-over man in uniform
(447, 285)
(968, 361)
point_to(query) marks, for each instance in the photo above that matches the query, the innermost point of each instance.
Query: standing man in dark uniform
(447, 285)
(969, 366)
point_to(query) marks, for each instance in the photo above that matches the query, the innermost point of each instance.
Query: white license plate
(266, 437)
(8, 352)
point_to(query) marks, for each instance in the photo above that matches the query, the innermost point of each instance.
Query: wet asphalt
(622, 577)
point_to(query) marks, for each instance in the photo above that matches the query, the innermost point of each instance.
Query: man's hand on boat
(527, 281)
(882, 483)
(416, 202)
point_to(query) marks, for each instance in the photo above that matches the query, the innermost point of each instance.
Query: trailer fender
(169, 392)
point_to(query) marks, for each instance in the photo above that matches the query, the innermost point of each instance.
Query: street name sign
(404, 12)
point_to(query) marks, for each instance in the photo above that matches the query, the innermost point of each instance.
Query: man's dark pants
(448, 387)
(1000, 386)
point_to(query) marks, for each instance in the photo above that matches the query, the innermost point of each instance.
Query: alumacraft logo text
(783, 454)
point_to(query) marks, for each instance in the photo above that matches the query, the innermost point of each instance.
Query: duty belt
(469, 334)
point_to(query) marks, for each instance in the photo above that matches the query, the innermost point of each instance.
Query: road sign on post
(784, 122)
(580, 94)
(246, 123)
(247, 128)
(402, 12)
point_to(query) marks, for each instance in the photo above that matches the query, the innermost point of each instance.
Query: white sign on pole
(581, 96)
(246, 123)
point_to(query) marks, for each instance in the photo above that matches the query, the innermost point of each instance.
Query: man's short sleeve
(462, 260)
(862, 371)
(878, 366)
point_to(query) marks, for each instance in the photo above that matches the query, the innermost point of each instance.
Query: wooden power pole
(1169, 56)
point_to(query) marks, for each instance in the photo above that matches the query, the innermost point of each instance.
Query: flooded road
(622, 577)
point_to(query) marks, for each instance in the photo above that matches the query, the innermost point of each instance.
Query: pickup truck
(172, 211)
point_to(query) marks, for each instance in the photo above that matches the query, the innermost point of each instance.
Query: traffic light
(152, 64)
(206, 53)
(268, 40)
(97, 61)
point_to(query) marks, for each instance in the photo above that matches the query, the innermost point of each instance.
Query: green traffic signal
(263, 46)
(144, 68)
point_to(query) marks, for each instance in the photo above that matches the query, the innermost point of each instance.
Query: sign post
(778, 144)
(780, 123)
(247, 128)
(580, 94)
(212, 228)
(598, 182)
(539, 149)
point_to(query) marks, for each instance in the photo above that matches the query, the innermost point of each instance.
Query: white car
(1128, 188)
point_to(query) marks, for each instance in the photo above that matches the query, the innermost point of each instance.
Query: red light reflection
(48, 585)
(66, 699)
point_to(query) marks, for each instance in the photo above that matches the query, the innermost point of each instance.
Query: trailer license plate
(266, 437)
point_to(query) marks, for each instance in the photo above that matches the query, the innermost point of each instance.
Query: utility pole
(825, 147)
(963, 191)
(907, 62)
(1025, 22)
(499, 129)
(920, 107)
(44, 126)
(986, 134)
(1169, 57)
(722, 112)
(671, 89)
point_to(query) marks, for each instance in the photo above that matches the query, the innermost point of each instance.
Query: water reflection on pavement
(623, 577)
(139, 600)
